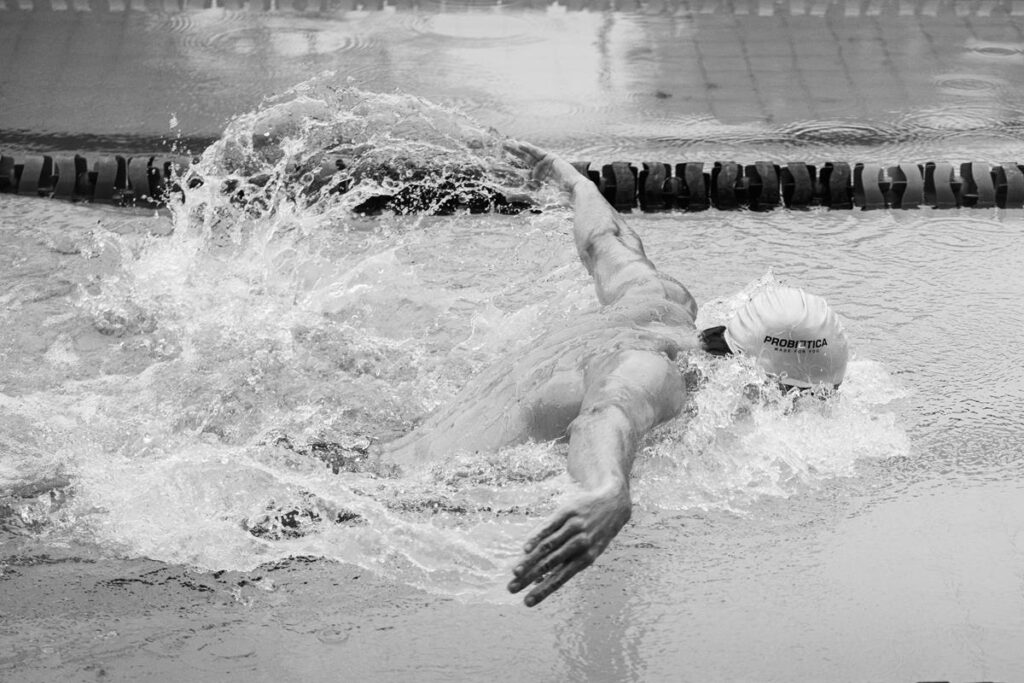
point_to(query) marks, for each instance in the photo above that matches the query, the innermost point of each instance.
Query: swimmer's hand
(570, 541)
(544, 165)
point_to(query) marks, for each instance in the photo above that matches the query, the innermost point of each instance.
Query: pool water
(175, 386)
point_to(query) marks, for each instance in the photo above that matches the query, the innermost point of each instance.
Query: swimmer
(605, 379)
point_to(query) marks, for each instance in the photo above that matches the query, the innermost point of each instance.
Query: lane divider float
(124, 181)
(837, 185)
(651, 186)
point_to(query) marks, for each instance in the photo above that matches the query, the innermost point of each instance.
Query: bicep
(614, 255)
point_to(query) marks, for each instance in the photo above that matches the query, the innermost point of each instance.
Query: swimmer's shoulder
(676, 292)
(665, 329)
(653, 311)
(660, 296)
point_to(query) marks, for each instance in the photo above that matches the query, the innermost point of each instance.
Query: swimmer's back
(537, 392)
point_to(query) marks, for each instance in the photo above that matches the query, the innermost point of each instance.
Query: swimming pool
(154, 522)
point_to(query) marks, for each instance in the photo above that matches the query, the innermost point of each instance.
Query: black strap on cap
(712, 340)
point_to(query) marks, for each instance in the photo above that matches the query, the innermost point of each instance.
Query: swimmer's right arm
(630, 394)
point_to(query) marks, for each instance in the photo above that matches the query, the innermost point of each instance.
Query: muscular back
(536, 394)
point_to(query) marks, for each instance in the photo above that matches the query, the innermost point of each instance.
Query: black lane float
(151, 181)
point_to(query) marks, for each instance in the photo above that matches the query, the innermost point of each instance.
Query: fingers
(531, 154)
(569, 542)
(533, 571)
(519, 147)
(553, 524)
(516, 149)
(561, 542)
(557, 580)
(511, 147)
(551, 543)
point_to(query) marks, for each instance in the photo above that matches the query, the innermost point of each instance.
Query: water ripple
(315, 39)
(965, 232)
(970, 84)
(838, 132)
(995, 51)
(240, 33)
(189, 30)
(477, 30)
(952, 118)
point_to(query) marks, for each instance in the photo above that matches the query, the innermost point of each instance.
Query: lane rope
(650, 186)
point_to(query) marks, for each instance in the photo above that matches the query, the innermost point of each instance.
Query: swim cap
(793, 335)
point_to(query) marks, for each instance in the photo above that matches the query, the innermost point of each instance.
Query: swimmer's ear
(712, 340)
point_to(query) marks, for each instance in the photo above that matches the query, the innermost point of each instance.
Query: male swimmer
(607, 378)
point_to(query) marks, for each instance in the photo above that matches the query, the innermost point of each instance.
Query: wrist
(617, 487)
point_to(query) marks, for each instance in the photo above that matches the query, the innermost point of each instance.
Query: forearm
(601, 447)
(600, 455)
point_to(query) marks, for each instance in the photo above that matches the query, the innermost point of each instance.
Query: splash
(742, 438)
(256, 351)
(329, 147)
(243, 366)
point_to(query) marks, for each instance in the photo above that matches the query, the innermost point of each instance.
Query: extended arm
(627, 394)
(609, 249)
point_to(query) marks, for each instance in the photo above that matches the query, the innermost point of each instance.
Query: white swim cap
(793, 335)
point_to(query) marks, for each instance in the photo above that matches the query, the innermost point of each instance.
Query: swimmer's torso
(537, 394)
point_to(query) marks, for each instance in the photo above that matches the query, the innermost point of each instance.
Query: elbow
(609, 419)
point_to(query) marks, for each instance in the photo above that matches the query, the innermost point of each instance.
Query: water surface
(151, 363)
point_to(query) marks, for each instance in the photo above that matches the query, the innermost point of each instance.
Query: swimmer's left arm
(630, 394)
(609, 249)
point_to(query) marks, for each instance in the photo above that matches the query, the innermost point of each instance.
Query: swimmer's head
(794, 336)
